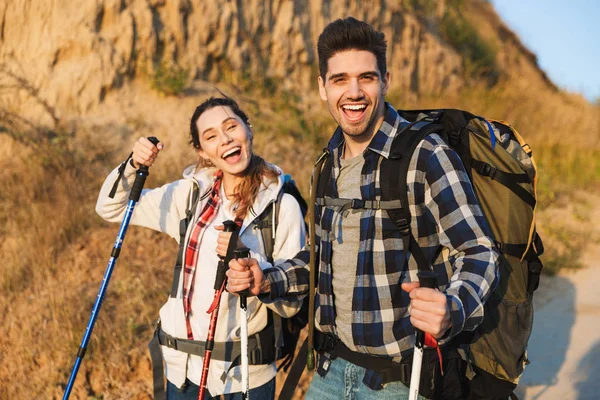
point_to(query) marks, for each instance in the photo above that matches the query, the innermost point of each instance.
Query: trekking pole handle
(228, 226)
(243, 252)
(427, 279)
(140, 176)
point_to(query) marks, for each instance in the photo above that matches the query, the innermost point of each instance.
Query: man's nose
(354, 89)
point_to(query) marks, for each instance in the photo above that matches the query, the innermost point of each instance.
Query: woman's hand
(245, 273)
(144, 152)
(223, 241)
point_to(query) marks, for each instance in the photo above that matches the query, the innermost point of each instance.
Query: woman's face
(225, 140)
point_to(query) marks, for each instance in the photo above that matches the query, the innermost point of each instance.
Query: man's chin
(354, 130)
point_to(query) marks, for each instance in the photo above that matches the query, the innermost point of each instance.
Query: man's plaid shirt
(448, 224)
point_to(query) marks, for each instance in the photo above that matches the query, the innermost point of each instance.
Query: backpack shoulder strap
(266, 224)
(183, 226)
(394, 185)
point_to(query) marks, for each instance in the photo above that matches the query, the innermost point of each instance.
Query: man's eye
(368, 78)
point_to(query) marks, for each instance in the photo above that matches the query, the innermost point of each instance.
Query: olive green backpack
(503, 173)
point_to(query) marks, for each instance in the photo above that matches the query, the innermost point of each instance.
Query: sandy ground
(565, 345)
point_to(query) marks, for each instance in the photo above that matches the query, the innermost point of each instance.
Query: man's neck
(353, 148)
(355, 145)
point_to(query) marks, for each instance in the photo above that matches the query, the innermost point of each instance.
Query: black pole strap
(121, 170)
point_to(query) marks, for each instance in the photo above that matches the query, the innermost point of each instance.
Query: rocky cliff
(75, 52)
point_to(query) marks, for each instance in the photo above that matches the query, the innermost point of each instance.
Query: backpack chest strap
(358, 204)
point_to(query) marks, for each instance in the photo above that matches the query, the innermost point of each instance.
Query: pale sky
(565, 35)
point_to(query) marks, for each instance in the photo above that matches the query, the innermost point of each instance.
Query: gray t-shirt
(345, 248)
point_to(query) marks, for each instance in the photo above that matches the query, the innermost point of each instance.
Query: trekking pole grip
(228, 226)
(427, 279)
(140, 176)
(243, 252)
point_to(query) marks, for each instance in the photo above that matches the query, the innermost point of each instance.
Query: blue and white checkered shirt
(448, 224)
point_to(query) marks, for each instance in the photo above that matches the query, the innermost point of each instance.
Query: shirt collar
(383, 138)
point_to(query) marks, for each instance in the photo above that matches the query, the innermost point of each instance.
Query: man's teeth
(355, 107)
(230, 152)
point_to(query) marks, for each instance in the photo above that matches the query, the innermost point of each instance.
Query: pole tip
(310, 360)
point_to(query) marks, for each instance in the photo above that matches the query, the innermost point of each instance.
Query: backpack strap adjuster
(403, 226)
(485, 169)
(171, 342)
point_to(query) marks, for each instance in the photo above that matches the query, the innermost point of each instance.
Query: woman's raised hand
(223, 241)
(145, 153)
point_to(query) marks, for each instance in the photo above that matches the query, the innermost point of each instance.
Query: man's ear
(386, 83)
(322, 91)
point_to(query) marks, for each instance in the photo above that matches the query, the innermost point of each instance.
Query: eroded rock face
(77, 51)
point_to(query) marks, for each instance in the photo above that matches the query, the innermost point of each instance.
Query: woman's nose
(225, 137)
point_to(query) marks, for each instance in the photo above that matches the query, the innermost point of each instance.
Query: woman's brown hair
(258, 170)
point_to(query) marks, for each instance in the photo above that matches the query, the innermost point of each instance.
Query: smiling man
(368, 300)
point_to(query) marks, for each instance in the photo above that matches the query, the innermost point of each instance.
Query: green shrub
(479, 56)
(169, 79)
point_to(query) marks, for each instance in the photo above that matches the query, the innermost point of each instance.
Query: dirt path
(565, 345)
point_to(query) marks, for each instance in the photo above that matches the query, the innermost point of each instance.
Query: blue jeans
(344, 381)
(189, 391)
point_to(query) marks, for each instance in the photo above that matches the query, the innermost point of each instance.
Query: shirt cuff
(278, 284)
(457, 318)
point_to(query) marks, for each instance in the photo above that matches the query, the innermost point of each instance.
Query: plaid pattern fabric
(448, 224)
(193, 247)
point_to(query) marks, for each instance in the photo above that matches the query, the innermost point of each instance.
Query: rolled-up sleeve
(462, 228)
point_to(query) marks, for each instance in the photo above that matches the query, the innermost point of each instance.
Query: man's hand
(223, 241)
(428, 309)
(245, 273)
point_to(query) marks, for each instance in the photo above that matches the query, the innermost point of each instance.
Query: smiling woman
(230, 180)
(222, 136)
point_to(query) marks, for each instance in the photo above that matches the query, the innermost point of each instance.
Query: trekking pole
(427, 279)
(244, 252)
(134, 196)
(220, 282)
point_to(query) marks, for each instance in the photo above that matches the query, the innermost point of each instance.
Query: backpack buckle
(357, 203)
(171, 342)
(403, 226)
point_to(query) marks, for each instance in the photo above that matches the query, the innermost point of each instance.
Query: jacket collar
(267, 194)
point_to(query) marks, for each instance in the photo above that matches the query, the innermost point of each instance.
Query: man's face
(354, 91)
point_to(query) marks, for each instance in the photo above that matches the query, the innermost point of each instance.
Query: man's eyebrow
(338, 75)
(344, 74)
(224, 121)
(370, 73)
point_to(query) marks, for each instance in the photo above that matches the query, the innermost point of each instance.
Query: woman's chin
(237, 169)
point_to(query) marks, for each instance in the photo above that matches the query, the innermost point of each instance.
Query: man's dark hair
(350, 34)
(207, 105)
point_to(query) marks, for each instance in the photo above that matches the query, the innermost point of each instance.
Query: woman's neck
(229, 183)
